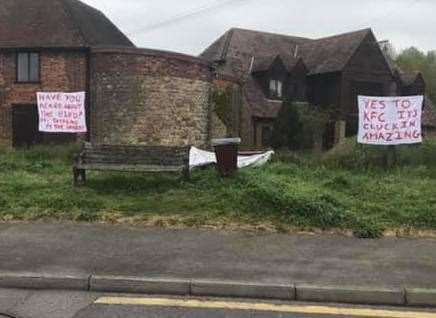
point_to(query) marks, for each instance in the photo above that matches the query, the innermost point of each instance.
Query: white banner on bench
(199, 158)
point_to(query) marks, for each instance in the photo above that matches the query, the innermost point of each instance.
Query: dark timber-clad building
(328, 72)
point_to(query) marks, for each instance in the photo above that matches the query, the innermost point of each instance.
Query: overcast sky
(189, 26)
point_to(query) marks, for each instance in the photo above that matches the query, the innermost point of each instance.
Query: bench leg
(187, 174)
(79, 176)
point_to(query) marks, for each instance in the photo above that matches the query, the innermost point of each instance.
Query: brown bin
(226, 151)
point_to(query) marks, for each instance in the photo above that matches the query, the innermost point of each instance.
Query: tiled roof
(238, 46)
(56, 23)
(408, 78)
(331, 54)
(263, 63)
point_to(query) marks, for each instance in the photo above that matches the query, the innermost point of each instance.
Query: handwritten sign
(390, 120)
(62, 112)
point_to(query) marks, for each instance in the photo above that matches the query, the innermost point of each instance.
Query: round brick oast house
(150, 97)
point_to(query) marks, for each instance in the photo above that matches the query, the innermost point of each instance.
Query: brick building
(134, 95)
(45, 46)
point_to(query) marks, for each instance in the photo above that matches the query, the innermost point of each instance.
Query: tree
(414, 60)
(288, 128)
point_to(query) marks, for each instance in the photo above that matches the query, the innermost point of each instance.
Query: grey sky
(404, 22)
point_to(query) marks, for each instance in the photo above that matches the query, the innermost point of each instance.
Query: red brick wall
(64, 71)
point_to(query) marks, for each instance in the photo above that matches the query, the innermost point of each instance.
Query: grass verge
(342, 190)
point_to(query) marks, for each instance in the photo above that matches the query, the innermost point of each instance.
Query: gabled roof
(264, 63)
(408, 78)
(56, 23)
(330, 54)
(238, 46)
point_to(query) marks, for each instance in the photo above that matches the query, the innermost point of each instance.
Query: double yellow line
(265, 307)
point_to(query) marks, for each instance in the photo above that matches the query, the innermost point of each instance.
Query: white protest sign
(390, 120)
(62, 112)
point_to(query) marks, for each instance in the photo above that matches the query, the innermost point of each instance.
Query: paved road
(64, 249)
(44, 304)
(66, 304)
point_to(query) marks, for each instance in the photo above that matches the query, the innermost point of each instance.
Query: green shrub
(367, 229)
(297, 126)
(288, 128)
(351, 155)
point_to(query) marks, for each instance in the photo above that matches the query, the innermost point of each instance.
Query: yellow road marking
(294, 309)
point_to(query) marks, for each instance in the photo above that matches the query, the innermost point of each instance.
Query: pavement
(104, 258)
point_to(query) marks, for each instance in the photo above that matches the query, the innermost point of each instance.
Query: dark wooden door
(25, 126)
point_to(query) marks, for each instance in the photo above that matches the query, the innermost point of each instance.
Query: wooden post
(390, 156)
(186, 173)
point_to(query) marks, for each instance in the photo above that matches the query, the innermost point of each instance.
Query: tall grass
(345, 189)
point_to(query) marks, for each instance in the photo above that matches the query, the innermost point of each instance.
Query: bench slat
(130, 168)
(122, 160)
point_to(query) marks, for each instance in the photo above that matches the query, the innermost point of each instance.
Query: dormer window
(275, 88)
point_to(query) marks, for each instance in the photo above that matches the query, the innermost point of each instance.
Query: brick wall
(59, 71)
(149, 97)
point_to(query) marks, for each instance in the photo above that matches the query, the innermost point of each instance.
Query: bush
(351, 155)
(368, 229)
(288, 128)
(298, 126)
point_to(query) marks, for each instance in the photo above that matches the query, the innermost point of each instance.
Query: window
(28, 67)
(275, 88)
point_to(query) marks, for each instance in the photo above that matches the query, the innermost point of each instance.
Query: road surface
(70, 304)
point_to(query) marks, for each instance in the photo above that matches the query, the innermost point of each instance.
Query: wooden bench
(127, 158)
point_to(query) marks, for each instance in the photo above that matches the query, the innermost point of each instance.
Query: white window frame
(276, 88)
